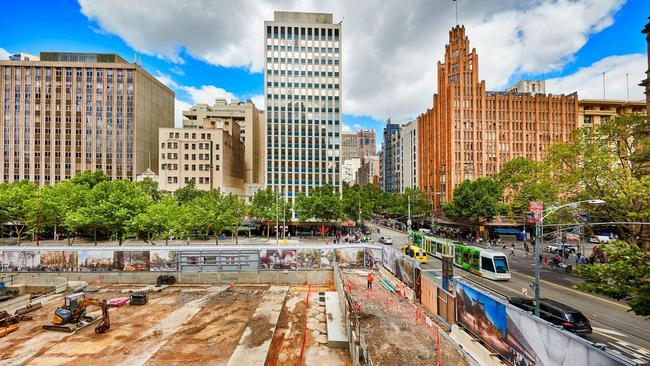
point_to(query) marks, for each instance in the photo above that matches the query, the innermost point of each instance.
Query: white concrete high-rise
(302, 78)
(408, 154)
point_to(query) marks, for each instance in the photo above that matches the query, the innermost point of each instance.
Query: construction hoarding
(519, 337)
(95, 260)
(131, 260)
(163, 260)
(59, 261)
(23, 260)
(400, 265)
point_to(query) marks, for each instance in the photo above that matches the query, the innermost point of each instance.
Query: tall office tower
(367, 142)
(349, 146)
(302, 74)
(72, 112)
(470, 132)
(389, 172)
(408, 156)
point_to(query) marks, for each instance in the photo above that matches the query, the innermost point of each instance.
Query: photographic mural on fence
(59, 261)
(536, 342)
(350, 256)
(163, 260)
(483, 316)
(314, 258)
(95, 260)
(390, 258)
(24, 260)
(131, 260)
(278, 259)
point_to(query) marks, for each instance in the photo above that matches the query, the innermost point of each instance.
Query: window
(486, 264)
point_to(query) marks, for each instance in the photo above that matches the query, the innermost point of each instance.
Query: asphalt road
(619, 330)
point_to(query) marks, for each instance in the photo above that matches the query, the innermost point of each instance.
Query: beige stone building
(592, 112)
(219, 146)
(349, 146)
(72, 112)
(369, 171)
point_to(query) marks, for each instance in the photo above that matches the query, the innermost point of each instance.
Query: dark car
(557, 313)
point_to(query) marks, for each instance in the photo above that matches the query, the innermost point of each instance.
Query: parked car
(597, 239)
(557, 313)
(386, 240)
(425, 231)
(366, 231)
(558, 248)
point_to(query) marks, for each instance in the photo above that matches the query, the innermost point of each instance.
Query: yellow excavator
(72, 315)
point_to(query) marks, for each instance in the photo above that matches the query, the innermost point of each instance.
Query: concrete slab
(255, 341)
(479, 353)
(336, 335)
(11, 305)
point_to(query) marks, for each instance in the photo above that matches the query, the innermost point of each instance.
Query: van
(415, 252)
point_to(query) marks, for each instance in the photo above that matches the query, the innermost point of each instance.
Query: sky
(207, 49)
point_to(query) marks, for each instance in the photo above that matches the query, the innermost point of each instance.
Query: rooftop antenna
(135, 57)
(341, 22)
(456, 3)
(627, 86)
(149, 160)
(604, 85)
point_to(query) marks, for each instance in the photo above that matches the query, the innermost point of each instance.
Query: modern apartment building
(470, 132)
(592, 112)
(72, 112)
(252, 133)
(389, 157)
(302, 77)
(349, 146)
(211, 155)
(408, 156)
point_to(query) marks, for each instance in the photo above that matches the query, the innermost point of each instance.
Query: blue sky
(213, 49)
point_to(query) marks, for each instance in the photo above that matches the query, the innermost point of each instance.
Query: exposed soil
(395, 331)
(261, 330)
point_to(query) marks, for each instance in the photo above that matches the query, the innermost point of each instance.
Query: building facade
(409, 157)
(389, 172)
(531, 87)
(367, 141)
(211, 156)
(349, 146)
(75, 112)
(351, 170)
(252, 134)
(470, 132)
(592, 112)
(369, 171)
(302, 77)
(646, 82)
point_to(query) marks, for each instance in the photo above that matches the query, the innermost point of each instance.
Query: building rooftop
(300, 17)
(82, 57)
(639, 103)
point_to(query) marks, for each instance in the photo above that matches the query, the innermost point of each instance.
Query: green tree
(418, 201)
(610, 162)
(89, 179)
(188, 193)
(235, 210)
(150, 187)
(159, 219)
(115, 204)
(41, 211)
(475, 201)
(269, 207)
(524, 180)
(16, 203)
(211, 212)
(323, 205)
(625, 276)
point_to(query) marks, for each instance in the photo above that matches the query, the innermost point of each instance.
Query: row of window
(308, 61)
(186, 135)
(187, 146)
(275, 84)
(302, 32)
(303, 73)
(302, 49)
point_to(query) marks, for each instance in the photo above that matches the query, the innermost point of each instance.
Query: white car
(425, 231)
(386, 240)
(558, 248)
(597, 239)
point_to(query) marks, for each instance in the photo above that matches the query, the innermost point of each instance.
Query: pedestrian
(370, 279)
(527, 249)
(512, 250)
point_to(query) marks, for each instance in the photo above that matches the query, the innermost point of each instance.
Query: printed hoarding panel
(483, 316)
(137, 260)
(95, 260)
(278, 259)
(163, 260)
(536, 342)
(389, 258)
(23, 260)
(350, 256)
(59, 261)
(314, 258)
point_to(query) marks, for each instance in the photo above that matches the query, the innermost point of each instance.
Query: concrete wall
(275, 277)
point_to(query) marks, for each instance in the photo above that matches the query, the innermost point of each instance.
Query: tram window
(486, 264)
(465, 256)
(500, 264)
(458, 254)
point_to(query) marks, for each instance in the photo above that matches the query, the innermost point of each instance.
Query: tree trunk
(268, 230)
(237, 234)
(95, 235)
(322, 230)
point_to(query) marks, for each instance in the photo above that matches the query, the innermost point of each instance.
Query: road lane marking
(576, 291)
(605, 331)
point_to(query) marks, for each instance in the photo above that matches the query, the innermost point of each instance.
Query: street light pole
(539, 218)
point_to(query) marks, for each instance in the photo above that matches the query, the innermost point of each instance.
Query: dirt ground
(395, 331)
(180, 325)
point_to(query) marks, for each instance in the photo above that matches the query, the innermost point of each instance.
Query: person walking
(370, 280)
(512, 249)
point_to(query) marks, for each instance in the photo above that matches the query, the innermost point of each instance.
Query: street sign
(536, 206)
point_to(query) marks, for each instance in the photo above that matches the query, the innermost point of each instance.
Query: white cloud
(588, 81)
(207, 94)
(4, 54)
(345, 128)
(389, 58)
(258, 100)
(177, 70)
(357, 126)
(179, 107)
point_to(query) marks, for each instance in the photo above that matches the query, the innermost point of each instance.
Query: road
(621, 331)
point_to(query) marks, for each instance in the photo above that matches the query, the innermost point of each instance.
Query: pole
(277, 219)
(284, 216)
(604, 85)
(627, 86)
(538, 235)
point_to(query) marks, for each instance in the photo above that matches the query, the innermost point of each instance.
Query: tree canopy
(475, 201)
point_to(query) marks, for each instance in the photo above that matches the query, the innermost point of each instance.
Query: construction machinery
(72, 315)
(139, 298)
